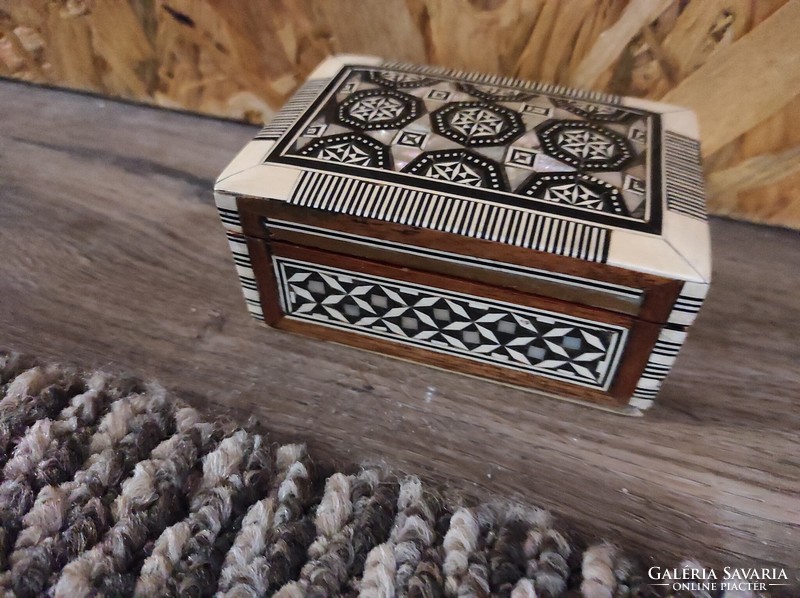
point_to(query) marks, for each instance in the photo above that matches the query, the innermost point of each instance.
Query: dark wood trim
(496, 278)
(641, 340)
(265, 280)
(446, 282)
(251, 222)
(449, 362)
(660, 292)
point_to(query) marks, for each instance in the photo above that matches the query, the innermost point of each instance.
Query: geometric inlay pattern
(633, 184)
(458, 166)
(576, 189)
(537, 110)
(596, 112)
(411, 139)
(371, 109)
(438, 95)
(399, 79)
(315, 130)
(493, 93)
(584, 145)
(477, 123)
(684, 175)
(521, 158)
(317, 189)
(350, 148)
(487, 136)
(549, 344)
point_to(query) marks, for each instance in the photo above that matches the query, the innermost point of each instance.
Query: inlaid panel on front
(536, 341)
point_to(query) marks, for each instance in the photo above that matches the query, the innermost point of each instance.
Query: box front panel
(575, 350)
(455, 324)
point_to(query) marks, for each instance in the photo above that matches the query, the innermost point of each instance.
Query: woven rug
(110, 487)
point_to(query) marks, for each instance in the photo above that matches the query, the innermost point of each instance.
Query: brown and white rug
(110, 487)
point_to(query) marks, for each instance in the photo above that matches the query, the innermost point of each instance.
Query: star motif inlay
(462, 167)
(576, 190)
(584, 145)
(373, 109)
(477, 123)
(349, 148)
(376, 109)
(456, 172)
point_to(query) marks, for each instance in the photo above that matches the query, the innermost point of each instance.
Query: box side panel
(247, 277)
(685, 223)
(659, 363)
(257, 277)
(538, 281)
(688, 303)
(576, 352)
(293, 109)
(237, 242)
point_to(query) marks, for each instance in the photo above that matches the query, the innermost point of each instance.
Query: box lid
(581, 174)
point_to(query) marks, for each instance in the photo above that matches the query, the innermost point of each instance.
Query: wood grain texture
(112, 256)
(733, 61)
(762, 69)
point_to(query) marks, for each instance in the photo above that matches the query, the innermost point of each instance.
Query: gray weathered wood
(112, 256)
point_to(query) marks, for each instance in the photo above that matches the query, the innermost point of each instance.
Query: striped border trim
(228, 212)
(229, 215)
(659, 364)
(499, 81)
(684, 176)
(491, 222)
(247, 278)
(230, 218)
(293, 109)
(688, 304)
(378, 326)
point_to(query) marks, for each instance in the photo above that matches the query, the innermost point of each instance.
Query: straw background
(736, 62)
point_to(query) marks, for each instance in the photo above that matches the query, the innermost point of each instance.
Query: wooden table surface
(112, 256)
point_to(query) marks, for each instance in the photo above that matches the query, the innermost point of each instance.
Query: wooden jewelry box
(536, 235)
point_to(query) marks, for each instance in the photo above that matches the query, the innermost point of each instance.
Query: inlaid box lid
(589, 176)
